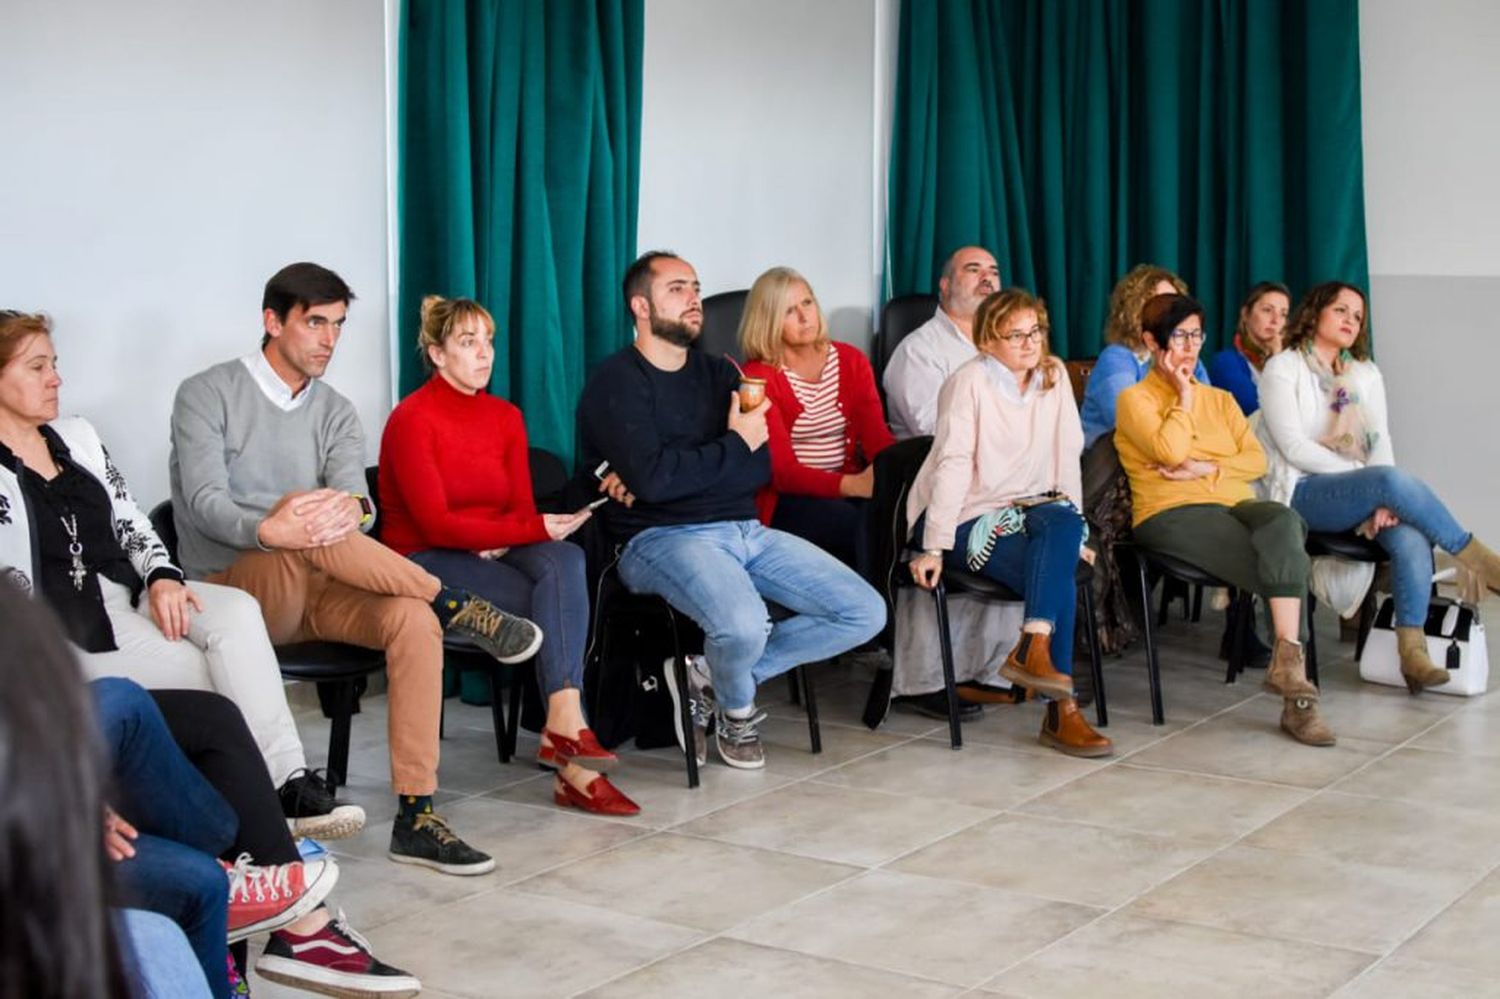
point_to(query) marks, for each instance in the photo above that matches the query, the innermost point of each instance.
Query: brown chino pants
(361, 592)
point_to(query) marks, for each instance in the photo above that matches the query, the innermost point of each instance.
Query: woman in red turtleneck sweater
(455, 492)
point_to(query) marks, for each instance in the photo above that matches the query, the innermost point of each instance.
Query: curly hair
(1134, 290)
(994, 314)
(1303, 326)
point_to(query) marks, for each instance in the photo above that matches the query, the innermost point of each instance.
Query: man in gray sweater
(268, 492)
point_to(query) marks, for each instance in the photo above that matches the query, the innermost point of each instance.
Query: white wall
(760, 143)
(160, 160)
(1432, 202)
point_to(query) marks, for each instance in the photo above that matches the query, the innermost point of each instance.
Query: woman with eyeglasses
(1191, 456)
(1257, 338)
(1323, 424)
(999, 494)
(826, 421)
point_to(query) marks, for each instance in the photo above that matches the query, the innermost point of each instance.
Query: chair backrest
(549, 479)
(721, 323)
(899, 317)
(1078, 376)
(165, 526)
(895, 470)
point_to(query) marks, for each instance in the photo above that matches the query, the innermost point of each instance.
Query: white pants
(226, 651)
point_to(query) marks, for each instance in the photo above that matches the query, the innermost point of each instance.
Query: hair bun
(429, 303)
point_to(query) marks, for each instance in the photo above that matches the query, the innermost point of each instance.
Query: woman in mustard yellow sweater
(1191, 456)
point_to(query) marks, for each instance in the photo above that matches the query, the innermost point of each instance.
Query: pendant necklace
(78, 572)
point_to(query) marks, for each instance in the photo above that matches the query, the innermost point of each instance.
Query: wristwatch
(366, 508)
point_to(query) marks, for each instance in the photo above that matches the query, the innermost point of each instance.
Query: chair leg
(513, 723)
(497, 710)
(1166, 602)
(443, 718)
(1197, 604)
(794, 689)
(1366, 622)
(341, 699)
(689, 752)
(1244, 621)
(1153, 666)
(1096, 662)
(1312, 640)
(945, 643)
(810, 699)
(1232, 626)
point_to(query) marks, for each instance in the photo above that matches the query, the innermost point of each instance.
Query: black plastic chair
(1356, 549)
(1151, 565)
(613, 600)
(895, 470)
(898, 317)
(340, 670)
(721, 324)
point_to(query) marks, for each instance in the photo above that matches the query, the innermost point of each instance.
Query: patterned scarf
(1247, 346)
(1349, 432)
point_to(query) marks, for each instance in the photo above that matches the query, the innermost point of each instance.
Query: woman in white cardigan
(71, 534)
(1329, 456)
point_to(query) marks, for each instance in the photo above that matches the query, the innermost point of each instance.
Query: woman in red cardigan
(455, 492)
(825, 420)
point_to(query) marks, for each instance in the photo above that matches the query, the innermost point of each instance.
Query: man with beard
(683, 463)
(934, 350)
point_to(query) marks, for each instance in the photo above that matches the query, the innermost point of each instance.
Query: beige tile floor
(1210, 857)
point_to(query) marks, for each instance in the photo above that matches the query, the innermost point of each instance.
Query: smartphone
(596, 504)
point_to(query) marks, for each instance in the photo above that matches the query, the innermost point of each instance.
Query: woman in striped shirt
(826, 422)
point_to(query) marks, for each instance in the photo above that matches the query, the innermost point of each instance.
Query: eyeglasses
(1180, 337)
(1033, 335)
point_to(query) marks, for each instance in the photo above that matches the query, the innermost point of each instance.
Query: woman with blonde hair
(826, 422)
(1127, 359)
(1000, 493)
(1328, 445)
(455, 486)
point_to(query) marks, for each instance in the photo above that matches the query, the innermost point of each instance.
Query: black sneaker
(426, 839)
(308, 803)
(510, 639)
(335, 961)
(935, 705)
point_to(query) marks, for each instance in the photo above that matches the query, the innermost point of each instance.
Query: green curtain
(1077, 138)
(519, 138)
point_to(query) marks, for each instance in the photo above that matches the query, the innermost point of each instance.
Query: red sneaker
(268, 898)
(334, 961)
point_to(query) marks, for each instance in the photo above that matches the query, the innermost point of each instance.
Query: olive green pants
(1255, 545)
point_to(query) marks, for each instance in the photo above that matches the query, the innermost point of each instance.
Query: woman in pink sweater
(825, 421)
(999, 495)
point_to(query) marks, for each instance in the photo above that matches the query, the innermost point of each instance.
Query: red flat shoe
(584, 751)
(603, 797)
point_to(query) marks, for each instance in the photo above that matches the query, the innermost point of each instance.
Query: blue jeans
(721, 574)
(544, 582)
(184, 825)
(1341, 501)
(1040, 563)
(841, 527)
(160, 961)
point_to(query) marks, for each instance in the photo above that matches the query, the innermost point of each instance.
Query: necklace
(78, 572)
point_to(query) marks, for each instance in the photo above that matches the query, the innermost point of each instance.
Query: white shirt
(269, 382)
(923, 361)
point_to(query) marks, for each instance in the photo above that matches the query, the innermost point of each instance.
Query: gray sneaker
(700, 703)
(739, 740)
(507, 637)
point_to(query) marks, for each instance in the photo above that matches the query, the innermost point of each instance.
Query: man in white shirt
(934, 350)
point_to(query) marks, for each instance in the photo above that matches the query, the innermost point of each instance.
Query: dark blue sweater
(1231, 371)
(666, 433)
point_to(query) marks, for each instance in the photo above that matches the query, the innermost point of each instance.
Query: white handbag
(1455, 641)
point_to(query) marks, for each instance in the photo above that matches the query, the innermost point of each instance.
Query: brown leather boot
(1287, 674)
(1067, 731)
(1477, 557)
(1300, 720)
(1030, 665)
(1417, 667)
